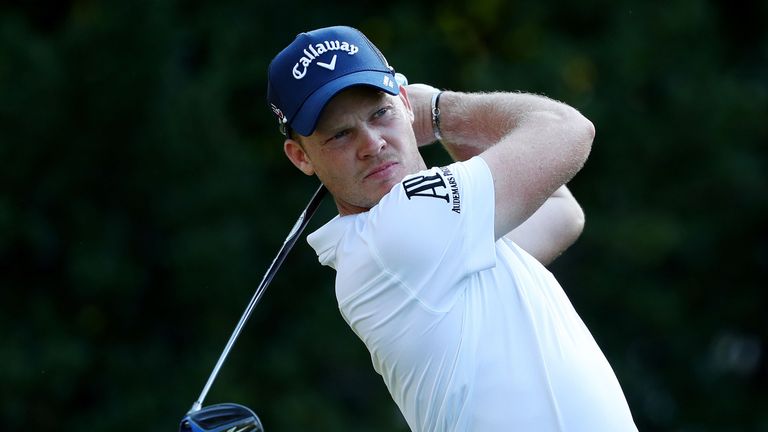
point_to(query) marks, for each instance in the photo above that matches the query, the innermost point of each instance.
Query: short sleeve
(436, 228)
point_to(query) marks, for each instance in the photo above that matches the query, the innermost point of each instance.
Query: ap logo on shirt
(434, 186)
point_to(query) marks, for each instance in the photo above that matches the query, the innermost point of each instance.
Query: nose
(371, 142)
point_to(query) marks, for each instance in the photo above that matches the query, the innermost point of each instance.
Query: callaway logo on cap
(315, 67)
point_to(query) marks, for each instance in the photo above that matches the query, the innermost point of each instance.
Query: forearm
(531, 144)
(552, 229)
(470, 123)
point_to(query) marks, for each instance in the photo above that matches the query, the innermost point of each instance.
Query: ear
(298, 156)
(407, 102)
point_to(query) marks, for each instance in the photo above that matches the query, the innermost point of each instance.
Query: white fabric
(468, 334)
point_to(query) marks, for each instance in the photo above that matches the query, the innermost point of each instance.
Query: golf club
(222, 417)
(230, 417)
(226, 417)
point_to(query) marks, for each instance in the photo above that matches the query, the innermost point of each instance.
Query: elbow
(577, 223)
(582, 133)
(590, 134)
(565, 235)
(573, 217)
(571, 230)
(585, 134)
(589, 131)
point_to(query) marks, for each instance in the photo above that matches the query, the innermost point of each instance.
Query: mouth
(381, 171)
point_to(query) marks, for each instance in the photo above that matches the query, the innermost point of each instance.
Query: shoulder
(441, 188)
(433, 211)
(421, 218)
(438, 194)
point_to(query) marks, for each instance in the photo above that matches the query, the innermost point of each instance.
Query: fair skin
(363, 145)
(367, 141)
(548, 141)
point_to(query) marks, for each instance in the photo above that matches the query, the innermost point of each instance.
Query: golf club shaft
(296, 231)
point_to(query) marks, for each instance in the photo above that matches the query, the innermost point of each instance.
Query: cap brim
(306, 118)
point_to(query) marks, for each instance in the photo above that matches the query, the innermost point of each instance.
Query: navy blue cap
(315, 67)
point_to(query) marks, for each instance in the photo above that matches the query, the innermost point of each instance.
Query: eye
(382, 112)
(339, 135)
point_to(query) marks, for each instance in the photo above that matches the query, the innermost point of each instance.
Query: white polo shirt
(468, 333)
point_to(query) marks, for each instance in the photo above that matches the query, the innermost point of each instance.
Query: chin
(380, 192)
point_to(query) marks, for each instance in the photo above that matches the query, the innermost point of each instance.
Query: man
(440, 271)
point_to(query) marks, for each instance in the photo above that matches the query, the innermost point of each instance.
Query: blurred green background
(143, 193)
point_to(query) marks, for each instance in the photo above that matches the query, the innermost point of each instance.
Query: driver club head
(225, 417)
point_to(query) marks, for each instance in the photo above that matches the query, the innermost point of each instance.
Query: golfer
(441, 271)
